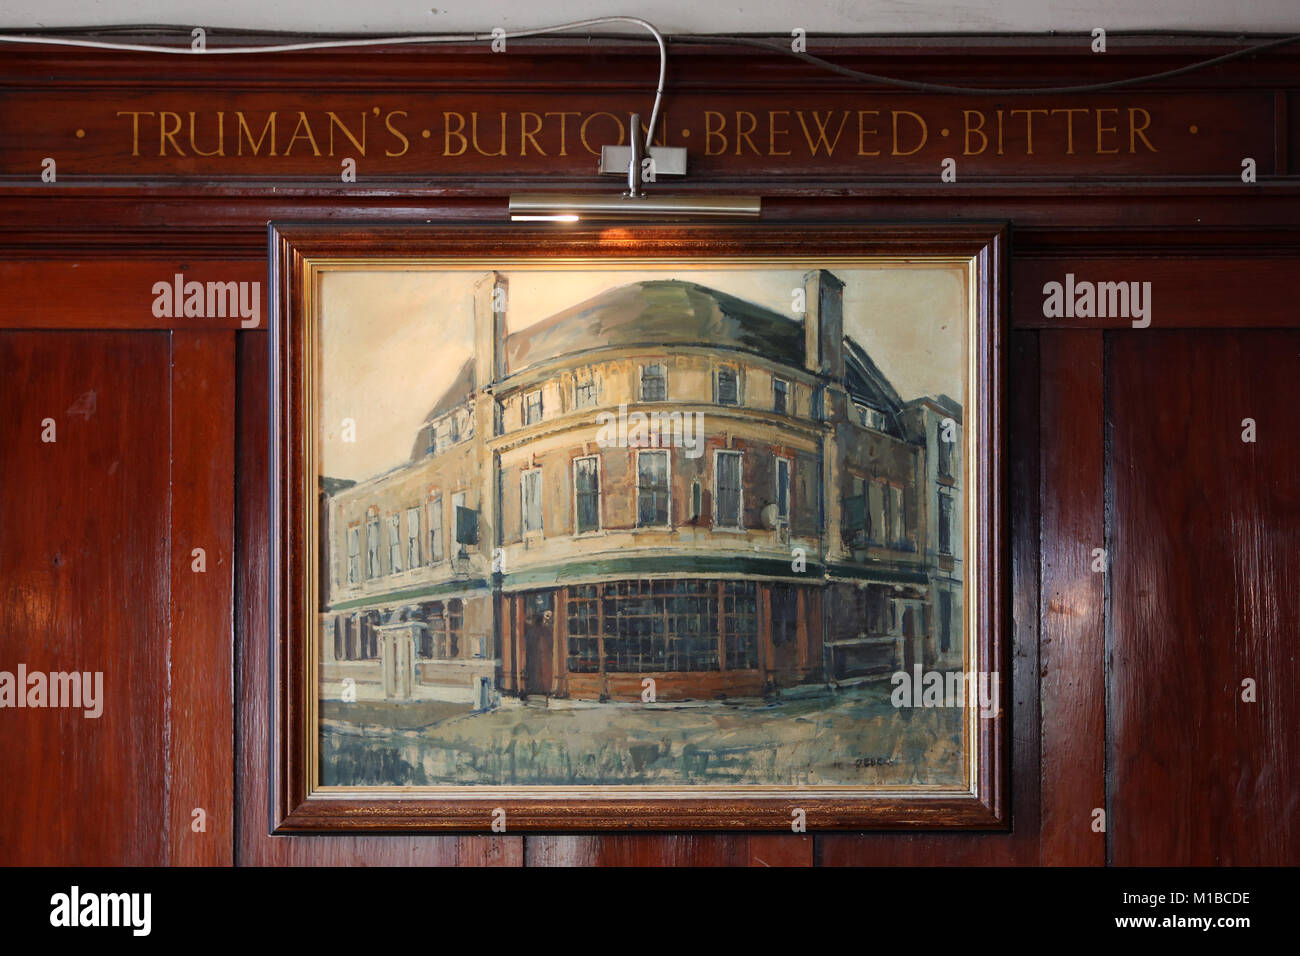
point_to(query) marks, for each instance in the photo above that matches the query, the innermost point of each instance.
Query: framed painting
(638, 527)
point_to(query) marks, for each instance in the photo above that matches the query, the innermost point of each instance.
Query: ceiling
(674, 16)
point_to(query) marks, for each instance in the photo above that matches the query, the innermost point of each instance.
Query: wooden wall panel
(1204, 594)
(1071, 653)
(1126, 685)
(1186, 292)
(121, 288)
(755, 849)
(84, 562)
(647, 849)
(200, 647)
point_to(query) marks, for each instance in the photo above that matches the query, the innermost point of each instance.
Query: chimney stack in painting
(823, 323)
(490, 297)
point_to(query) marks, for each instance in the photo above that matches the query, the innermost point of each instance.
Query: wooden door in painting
(396, 646)
(539, 642)
(785, 628)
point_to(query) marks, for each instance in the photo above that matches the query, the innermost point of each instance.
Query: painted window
(464, 525)
(435, 530)
(654, 383)
(655, 626)
(727, 493)
(780, 395)
(896, 515)
(583, 626)
(533, 407)
(354, 555)
(412, 537)
(871, 417)
(740, 624)
(882, 506)
(441, 638)
(784, 468)
(584, 393)
(586, 490)
(726, 386)
(394, 543)
(531, 491)
(652, 490)
(946, 449)
(945, 523)
(857, 512)
(945, 621)
(372, 547)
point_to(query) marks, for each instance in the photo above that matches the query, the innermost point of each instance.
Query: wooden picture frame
(301, 253)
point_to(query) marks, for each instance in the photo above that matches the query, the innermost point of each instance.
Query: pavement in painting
(851, 737)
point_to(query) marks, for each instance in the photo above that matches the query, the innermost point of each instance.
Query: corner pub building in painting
(809, 534)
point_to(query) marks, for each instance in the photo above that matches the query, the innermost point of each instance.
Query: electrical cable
(374, 41)
(924, 87)
(753, 42)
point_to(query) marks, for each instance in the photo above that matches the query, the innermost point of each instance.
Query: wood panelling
(668, 850)
(1126, 685)
(1071, 651)
(122, 290)
(200, 656)
(1185, 292)
(831, 134)
(1204, 595)
(84, 570)
(755, 849)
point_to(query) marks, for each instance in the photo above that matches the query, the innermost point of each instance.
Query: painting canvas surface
(643, 524)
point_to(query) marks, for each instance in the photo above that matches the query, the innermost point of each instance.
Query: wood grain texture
(486, 133)
(121, 288)
(1201, 529)
(1071, 656)
(201, 644)
(125, 136)
(299, 807)
(84, 559)
(781, 849)
(1186, 292)
(1203, 580)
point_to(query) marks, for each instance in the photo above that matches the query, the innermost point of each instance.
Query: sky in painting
(391, 341)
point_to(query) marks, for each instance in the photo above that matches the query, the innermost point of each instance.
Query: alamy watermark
(208, 300)
(1103, 300)
(946, 689)
(626, 429)
(75, 909)
(79, 690)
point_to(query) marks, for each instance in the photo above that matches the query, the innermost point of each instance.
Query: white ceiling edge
(671, 16)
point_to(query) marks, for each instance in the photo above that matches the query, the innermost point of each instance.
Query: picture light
(641, 163)
(572, 207)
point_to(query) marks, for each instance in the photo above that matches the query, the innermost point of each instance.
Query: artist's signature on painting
(864, 762)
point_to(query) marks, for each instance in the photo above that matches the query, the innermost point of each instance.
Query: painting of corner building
(710, 491)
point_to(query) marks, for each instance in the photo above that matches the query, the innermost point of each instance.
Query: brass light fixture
(641, 163)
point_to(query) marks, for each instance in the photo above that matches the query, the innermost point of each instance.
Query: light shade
(570, 207)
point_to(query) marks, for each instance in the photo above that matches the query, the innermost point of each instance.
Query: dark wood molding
(298, 809)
